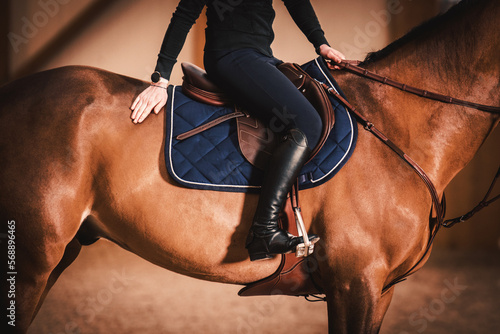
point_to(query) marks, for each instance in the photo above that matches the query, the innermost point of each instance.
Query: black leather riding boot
(265, 238)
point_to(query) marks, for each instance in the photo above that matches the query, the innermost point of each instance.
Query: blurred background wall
(124, 36)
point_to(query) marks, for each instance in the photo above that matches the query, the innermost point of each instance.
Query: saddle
(256, 141)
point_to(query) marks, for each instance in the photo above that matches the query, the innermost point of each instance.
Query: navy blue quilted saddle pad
(212, 159)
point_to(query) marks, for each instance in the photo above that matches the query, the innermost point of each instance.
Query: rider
(239, 59)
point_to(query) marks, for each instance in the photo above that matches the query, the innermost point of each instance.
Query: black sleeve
(305, 18)
(185, 15)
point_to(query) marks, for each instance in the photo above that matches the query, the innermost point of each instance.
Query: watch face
(155, 77)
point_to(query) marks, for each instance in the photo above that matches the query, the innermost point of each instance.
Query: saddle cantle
(199, 87)
(256, 141)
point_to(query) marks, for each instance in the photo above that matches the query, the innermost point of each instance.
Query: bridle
(353, 67)
(439, 206)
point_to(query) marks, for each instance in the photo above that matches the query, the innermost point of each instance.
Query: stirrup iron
(307, 247)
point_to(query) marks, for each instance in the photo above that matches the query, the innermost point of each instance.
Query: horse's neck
(460, 60)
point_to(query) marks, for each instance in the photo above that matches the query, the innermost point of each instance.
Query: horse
(75, 169)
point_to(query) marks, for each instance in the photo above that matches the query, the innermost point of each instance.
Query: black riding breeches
(253, 80)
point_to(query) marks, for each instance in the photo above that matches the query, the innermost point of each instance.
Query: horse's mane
(423, 31)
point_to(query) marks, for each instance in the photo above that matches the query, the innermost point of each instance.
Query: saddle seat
(198, 86)
(256, 140)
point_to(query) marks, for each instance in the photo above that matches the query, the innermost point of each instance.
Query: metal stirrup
(307, 247)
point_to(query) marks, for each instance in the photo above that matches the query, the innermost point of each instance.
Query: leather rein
(352, 66)
(439, 206)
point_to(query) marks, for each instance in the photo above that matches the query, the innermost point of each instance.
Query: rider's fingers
(341, 55)
(135, 108)
(160, 105)
(151, 99)
(337, 56)
(136, 101)
(140, 98)
(142, 104)
(157, 108)
(143, 115)
(144, 110)
(333, 54)
(141, 108)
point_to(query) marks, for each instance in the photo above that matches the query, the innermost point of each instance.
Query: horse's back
(69, 89)
(48, 125)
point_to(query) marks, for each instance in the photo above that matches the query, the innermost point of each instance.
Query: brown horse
(75, 168)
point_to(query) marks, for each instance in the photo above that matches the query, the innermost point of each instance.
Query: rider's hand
(330, 53)
(152, 98)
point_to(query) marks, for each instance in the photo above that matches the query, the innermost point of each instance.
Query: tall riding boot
(265, 238)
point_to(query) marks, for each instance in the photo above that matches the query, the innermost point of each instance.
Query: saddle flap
(294, 73)
(256, 141)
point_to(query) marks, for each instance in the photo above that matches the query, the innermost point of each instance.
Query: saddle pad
(212, 159)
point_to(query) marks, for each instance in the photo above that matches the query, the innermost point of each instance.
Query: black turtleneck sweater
(234, 24)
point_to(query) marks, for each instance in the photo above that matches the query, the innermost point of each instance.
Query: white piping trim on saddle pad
(171, 161)
(352, 128)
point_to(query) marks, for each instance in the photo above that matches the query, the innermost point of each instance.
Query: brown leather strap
(484, 203)
(371, 128)
(210, 124)
(437, 205)
(352, 66)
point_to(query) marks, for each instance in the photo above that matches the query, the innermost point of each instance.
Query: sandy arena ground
(109, 290)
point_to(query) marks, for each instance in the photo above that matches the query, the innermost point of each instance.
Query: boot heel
(260, 256)
(257, 249)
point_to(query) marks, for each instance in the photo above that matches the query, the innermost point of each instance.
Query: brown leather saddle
(256, 140)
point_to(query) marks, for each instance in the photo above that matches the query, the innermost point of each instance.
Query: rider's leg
(265, 237)
(255, 82)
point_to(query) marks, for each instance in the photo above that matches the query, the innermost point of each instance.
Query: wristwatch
(156, 76)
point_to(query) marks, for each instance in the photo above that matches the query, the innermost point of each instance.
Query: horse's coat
(73, 162)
